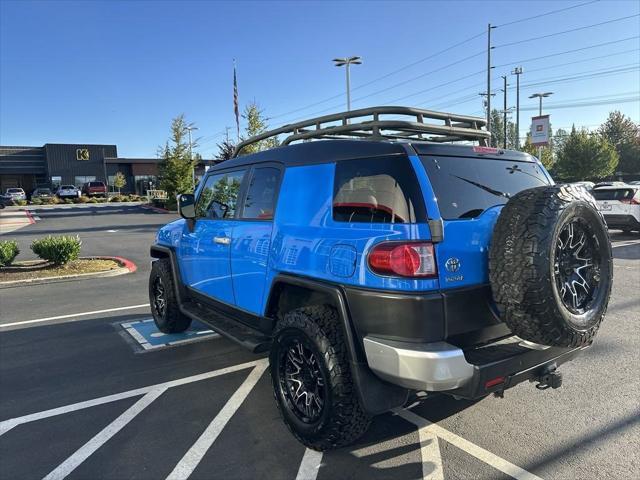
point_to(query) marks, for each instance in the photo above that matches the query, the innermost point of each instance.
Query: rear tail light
(410, 259)
(493, 382)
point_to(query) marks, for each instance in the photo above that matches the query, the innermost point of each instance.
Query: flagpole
(236, 110)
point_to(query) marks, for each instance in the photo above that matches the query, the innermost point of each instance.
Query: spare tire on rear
(550, 265)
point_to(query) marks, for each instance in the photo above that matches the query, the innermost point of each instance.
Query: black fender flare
(376, 395)
(161, 251)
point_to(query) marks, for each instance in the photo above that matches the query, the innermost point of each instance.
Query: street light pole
(517, 72)
(347, 62)
(193, 168)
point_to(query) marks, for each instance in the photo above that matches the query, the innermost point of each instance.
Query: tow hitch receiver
(551, 378)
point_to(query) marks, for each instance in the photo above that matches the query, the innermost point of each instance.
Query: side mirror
(187, 206)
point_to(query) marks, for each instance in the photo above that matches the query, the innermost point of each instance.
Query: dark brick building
(57, 164)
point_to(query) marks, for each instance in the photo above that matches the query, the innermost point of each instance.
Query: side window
(259, 203)
(219, 196)
(377, 190)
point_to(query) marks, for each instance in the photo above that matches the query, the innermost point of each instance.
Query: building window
(81, 180)
(144, 183)
(56, 182)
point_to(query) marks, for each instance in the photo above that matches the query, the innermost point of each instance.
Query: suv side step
(232, 329)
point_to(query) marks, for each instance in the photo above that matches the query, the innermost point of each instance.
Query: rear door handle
(222, 240)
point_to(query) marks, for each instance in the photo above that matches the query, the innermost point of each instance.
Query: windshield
(613, 194)
(14, 190)
(466, 186)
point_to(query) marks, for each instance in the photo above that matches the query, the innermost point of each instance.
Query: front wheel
(164, 303)
(312, 381)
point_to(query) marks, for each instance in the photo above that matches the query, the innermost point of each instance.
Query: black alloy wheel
(577, 266)
(302, 382)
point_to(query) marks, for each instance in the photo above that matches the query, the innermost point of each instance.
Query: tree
(225, 150)
(119, 181)
(497, 131)
(177, 167)
(256, 124)
(585, 156)
(547, 152)
(624, 135)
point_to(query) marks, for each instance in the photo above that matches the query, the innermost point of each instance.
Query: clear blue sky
(119, 71)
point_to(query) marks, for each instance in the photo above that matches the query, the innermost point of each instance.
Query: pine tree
(585, 156)
(176, 168)
(624, 135)
(256, 124)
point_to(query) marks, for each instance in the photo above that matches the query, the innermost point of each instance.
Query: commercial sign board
(540, 130)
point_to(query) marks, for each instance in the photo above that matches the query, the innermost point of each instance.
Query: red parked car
(91, 189)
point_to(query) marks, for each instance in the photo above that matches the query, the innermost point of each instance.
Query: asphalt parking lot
(80, 397)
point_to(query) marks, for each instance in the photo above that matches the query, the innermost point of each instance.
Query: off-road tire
(522, 259)
(343, 420)
(171, 320)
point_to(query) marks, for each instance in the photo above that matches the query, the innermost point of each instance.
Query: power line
(518, 42)
(559, 106)
(387, 75)
(635, 37)
(548, 13)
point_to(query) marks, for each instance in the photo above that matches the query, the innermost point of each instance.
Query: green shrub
(8, 252)
(92, 200)
(83, 199)
(20, 203)
(116, 198)
(68, 201)
(36, 201)
(57, 250)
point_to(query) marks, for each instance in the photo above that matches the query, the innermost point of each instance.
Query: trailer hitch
(550, 378)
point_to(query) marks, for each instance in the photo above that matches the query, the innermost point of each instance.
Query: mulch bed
(41, 269)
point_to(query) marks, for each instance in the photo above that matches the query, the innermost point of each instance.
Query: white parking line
(480, 453)
(310, 465)
(7, 425)
(192, 458)
(84, 452)
(72, 315)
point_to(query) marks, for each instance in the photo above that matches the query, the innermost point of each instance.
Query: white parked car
(15, 194)
(620, 205)
(68, 191)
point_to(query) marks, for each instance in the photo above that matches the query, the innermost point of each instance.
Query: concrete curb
(126, 266)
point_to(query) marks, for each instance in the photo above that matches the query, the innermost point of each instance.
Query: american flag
(235, 100)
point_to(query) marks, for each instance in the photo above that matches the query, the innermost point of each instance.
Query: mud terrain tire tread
(347, 420)
(520, 270)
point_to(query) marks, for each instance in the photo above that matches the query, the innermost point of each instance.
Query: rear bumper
(621, 221)
(440, 366)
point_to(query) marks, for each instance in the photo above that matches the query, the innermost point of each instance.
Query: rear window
(466, 186)
(96, 184)
(613, 194)
(14, 190)
(377, 190)
(67, 187)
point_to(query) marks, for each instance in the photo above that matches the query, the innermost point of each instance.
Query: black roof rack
(411, 126)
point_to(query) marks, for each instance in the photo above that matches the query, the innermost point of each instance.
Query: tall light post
(347, 62)
(517, 72)
(193, 170)
(540, 96)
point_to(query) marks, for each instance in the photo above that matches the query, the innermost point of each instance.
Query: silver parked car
(15, 194)
(69, 191)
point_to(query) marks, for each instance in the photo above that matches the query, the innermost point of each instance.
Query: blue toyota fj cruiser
(388, 251)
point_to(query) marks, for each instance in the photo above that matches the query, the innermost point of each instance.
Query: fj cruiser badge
(452, 265)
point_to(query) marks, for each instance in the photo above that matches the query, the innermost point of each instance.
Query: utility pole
(504, 113)
(489, 48)
(193, 168)
(517, 72)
